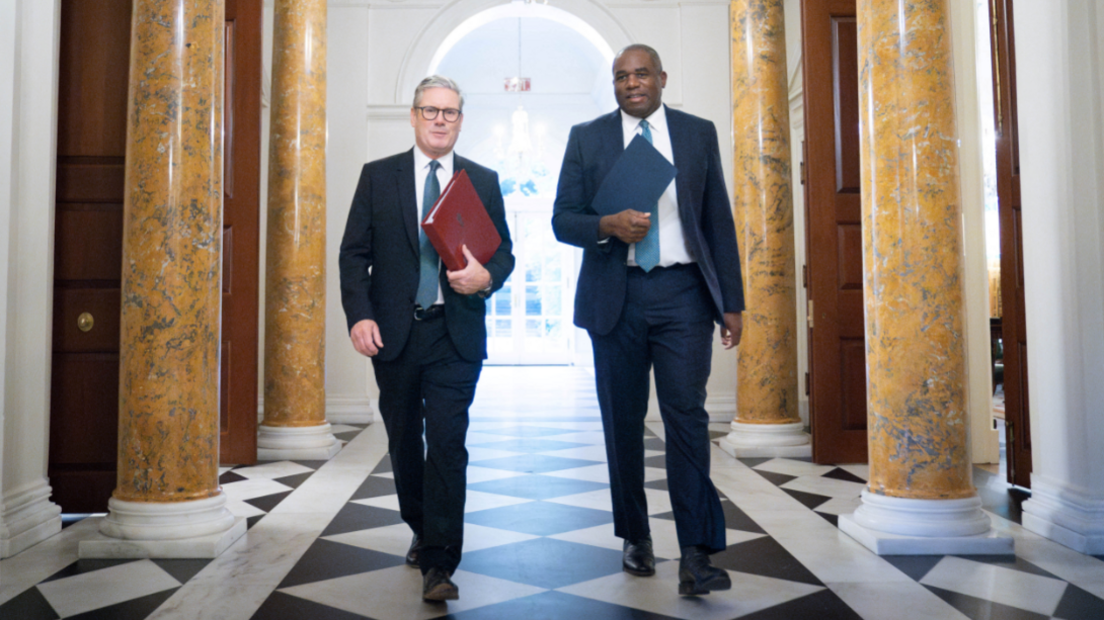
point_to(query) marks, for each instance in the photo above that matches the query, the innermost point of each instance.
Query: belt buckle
(425, 314)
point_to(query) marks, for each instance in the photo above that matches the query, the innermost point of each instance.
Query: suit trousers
(429, 386)
(667, 323)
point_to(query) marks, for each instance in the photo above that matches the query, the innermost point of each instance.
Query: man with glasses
(654, 279)
(422, 326)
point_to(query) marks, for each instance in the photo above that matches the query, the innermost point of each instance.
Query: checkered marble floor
(325, 540)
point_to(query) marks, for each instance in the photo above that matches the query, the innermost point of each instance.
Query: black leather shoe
(414, 552)
(698, 576)
(436, 586)
(638, 558)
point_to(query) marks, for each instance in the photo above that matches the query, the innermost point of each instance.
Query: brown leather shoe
(638, 558)
(412, 555)
(436, 586)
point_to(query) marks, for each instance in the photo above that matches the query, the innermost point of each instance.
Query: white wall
(28, 104)
(1060, 73)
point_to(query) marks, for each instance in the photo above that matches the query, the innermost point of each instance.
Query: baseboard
(28, 518)
(1066, 514)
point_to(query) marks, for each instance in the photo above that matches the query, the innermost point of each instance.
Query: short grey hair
(437, 81)
(643, 48)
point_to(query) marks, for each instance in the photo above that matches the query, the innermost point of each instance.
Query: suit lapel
(681, 150)
(408, 198)
(612, 144)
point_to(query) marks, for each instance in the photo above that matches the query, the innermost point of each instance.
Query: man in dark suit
(654, 279)
(424, 327)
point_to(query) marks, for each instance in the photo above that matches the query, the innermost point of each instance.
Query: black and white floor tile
(326, 542)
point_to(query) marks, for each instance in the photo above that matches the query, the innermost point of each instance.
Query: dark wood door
(88, 245)
(833, 206)
(92, 101)
(1014, 331)
(241, 231)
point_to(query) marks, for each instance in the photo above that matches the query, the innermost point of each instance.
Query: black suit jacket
(703, 208)
(380, 264)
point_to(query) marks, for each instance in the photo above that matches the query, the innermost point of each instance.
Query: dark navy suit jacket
(703, 208)
(380, 264)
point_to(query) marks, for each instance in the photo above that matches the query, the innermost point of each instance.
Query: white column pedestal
(899, 526)
(279, 443)
(196, 529)
(1065, 515)
(29, 517)
(767, 440)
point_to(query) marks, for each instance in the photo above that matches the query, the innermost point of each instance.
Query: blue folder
(636, 181)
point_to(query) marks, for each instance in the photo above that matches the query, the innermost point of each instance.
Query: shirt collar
(421, 160)
(656, 120)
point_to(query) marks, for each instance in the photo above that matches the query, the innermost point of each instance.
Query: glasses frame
(426, 113)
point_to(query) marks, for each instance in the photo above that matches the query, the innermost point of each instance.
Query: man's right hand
(366, 337)
(629, 225)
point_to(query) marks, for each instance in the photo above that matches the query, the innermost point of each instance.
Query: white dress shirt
(444, 175)
(672, 243)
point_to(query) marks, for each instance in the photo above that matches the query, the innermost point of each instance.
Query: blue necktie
(647, 249)
(430, 270)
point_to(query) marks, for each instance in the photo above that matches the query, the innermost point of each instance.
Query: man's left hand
(472, 278)
(732, 330)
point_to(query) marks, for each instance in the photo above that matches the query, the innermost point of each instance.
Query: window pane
(532, 300)
(502, 303)
(553, 300)
(553, 328)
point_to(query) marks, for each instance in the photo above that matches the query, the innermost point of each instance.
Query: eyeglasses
(429, 113)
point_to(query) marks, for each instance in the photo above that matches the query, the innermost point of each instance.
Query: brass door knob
(85, 322)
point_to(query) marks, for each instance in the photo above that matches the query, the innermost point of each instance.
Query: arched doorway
(529, 72)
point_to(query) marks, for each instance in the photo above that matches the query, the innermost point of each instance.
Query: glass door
(529, 318)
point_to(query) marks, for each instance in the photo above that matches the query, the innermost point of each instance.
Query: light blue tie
(430, 270)
(647, 249)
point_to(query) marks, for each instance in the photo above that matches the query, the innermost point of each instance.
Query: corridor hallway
(325, 540)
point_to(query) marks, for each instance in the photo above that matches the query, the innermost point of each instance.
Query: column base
(286, 443)
(1065, 515)
(195, 529)
(900, 526)
(767, 440)
(29, 518)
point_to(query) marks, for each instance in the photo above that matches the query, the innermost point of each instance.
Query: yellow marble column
(168, 486)
(920, 472)
(294, 423)
(767, 421)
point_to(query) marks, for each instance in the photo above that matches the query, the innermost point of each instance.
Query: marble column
(294, 425)
(767, 422)
(920, 498)
(168, 502)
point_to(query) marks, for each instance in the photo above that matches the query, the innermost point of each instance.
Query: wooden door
(1014, 331)
(833, 206)
(241, 232)
(94, 63)
(88, 245)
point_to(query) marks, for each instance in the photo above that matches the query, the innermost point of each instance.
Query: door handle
(85, 321)
(809, 313)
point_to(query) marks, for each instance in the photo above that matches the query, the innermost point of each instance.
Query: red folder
(459, 218)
